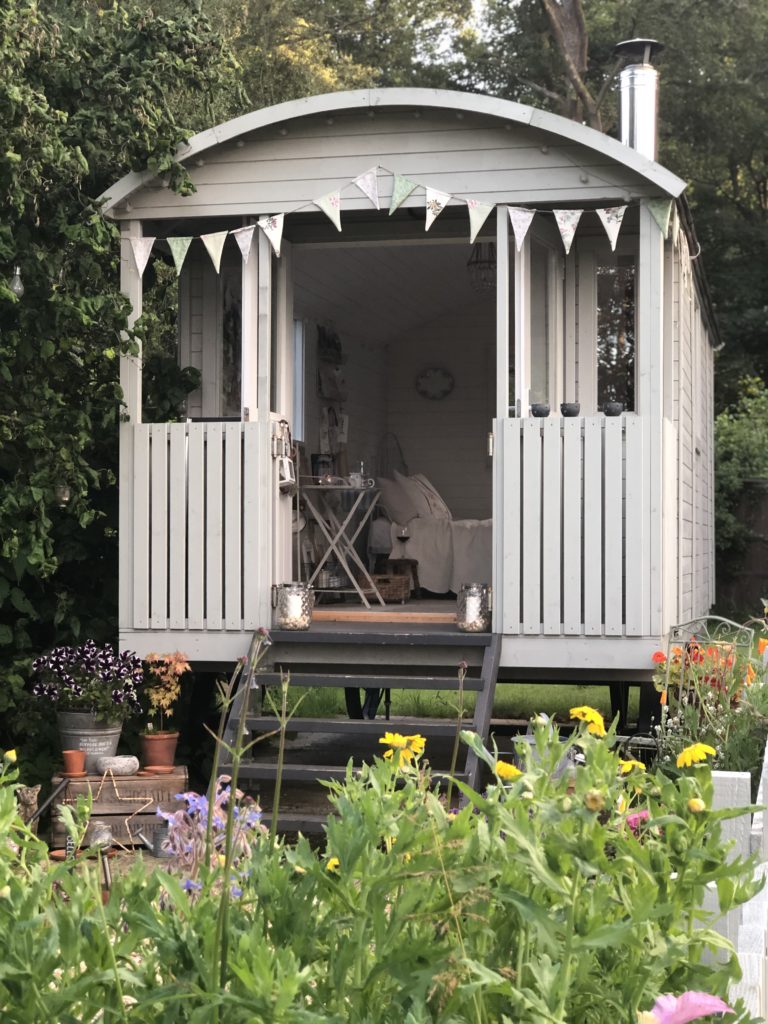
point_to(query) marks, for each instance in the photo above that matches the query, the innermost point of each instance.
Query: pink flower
(634, 820)
(689, 1006)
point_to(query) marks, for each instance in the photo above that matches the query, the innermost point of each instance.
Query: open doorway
(395, 357)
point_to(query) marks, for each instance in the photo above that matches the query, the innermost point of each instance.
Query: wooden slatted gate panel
(575, 527)
(197, 512)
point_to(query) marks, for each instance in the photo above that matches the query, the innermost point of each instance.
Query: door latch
(490, 444)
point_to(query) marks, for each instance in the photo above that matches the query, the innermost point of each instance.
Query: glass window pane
(616, 334)
(232, 340)
(540, 325)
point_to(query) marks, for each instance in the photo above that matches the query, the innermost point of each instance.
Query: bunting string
(435, 201)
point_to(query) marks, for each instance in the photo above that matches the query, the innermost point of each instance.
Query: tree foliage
(741, 455)
(713, 123)
(84, 98)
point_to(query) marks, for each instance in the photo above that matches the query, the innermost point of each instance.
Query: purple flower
(190, 885)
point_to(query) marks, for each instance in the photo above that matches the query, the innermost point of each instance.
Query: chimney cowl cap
(638, 50)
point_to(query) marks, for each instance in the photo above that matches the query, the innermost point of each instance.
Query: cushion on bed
(437, 505)
(415, 494)
(396, 501)
(424, 496)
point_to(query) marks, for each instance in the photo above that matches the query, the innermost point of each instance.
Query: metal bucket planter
(81, 730)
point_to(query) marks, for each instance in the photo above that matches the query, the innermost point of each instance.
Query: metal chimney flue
(639, 93)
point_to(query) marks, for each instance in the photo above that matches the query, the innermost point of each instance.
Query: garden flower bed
(560, 894)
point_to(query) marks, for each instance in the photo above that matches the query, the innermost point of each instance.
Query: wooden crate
(127, 803)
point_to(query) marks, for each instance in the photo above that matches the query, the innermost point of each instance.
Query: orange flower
(663, 698)
(762, 644)
(658, 657)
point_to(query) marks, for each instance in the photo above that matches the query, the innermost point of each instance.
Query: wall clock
(434, 383)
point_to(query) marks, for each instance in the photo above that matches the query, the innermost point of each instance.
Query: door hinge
(490, 444)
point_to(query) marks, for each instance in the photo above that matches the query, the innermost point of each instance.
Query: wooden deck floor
(418, 611)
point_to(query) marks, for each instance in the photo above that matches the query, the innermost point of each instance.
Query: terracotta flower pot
(158, 748)
(74, 761)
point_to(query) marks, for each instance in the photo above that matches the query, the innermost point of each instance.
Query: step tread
(371, 682)
(361, 726)
(311, 772)
(438, 635)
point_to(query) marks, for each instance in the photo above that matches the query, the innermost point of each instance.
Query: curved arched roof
(362, 99)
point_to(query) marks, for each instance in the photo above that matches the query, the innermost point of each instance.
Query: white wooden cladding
(575, 527)
(195, 513)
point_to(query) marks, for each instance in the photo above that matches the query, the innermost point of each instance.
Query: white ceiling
(388, 288)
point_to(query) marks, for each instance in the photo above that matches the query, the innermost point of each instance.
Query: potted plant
(93, 690)
(162, 689)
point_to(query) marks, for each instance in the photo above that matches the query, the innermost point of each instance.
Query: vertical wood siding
(193, 549)
(574, 532)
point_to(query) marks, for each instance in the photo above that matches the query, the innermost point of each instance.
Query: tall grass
(513, 700)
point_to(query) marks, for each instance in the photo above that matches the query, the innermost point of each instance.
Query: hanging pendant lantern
(482, 266)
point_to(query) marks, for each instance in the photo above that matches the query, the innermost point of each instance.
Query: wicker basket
(393, 588)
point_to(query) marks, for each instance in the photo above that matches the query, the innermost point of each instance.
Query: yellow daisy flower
(394, 740)
(696, 806)
(693, 754)
(627, 766)
(10, 756)
(594, 720)
(507, 771)
(333, 864)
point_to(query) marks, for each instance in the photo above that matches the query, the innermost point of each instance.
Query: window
(616, 332)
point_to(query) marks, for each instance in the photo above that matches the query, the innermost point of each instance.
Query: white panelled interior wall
(447, 439)
(399, 310)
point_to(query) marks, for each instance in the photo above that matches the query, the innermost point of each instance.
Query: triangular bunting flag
(435, 204)
(661, 209)
(244, 239)
(214, 243)
(612, 217)
(142, 247)
(331, 207)
(401, 189)
(567, 221)
(675, 227)
(478, 215)
(368, 183)
(273, 229)
(179, 246)
(521, 221)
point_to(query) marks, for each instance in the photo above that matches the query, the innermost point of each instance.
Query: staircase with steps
(370, 662)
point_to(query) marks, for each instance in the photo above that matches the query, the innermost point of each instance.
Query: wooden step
(368, 682)
(360, 727)
(342, 614)
(309, 773)
(295, 822)
(438, 635)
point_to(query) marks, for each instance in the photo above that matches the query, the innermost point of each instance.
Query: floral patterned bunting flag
(521, 221)
(612, 217)
(478, 215)
(273, 229)
(368, 183)
(401, 189)
(435, 204)
(567, 221)
(214, 243)
(142, 247)
(331, 207)
(661, 209)
(244, 239)
(179, 247)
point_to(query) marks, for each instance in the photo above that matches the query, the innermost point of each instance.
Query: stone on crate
(123, 764)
